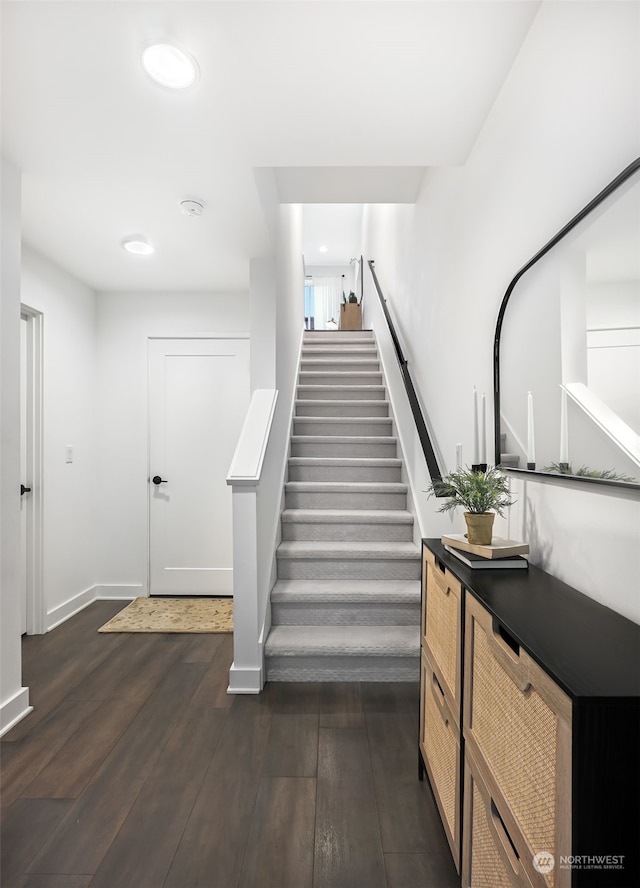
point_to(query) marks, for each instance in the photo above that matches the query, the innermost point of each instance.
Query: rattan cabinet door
(517, 726)
(489, 855)
(440, 746)
(442, 627)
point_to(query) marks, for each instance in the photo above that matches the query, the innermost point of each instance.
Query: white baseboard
(245, 681)
(116, 591)
(64, 611)
(71, 607)
(14, 710)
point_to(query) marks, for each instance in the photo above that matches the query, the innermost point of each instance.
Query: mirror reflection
(569, 350)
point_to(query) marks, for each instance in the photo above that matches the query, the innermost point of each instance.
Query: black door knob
(158, 480)
(24, 490)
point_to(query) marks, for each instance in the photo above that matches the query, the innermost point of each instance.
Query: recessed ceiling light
(323, 249)
(138, 245)
(169, 65)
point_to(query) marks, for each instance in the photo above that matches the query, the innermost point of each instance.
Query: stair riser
(328, 365)
(351, 569)
(340, 379)
(342, 668)
(374, 474)
(329, 448)
(303, 499)
(292, 531)
(345, 615)
(325, 392)
(342, 427)
(342, 408)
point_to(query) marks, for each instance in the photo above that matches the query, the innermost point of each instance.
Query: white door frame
(34, 501)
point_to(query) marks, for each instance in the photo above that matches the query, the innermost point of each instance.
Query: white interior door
(24, 476)
(198, 398)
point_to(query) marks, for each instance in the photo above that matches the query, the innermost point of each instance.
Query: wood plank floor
(137, 770)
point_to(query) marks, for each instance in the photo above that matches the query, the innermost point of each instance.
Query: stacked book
(499, 553)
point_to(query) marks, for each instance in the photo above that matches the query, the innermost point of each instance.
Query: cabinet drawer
(517, 723)
(442, 625)
(440, 744)
(490, 858)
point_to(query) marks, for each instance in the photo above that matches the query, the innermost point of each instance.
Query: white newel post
(246, 675)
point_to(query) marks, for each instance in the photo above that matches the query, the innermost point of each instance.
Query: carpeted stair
(346, 605)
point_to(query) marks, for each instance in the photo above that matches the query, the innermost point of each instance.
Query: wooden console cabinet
(529, 727)
(350, 316)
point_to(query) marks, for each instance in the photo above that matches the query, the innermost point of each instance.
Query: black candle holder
(479, 467)
(531, 466)
(564, 467)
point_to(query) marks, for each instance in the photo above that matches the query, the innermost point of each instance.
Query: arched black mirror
(567, 348)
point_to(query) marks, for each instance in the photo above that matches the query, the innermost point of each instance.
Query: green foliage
(586, 472)
(475, 491)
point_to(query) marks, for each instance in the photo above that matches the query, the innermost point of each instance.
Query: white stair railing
(246, 675)
(623, 436)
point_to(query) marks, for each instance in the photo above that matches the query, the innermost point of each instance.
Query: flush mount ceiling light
(169, 65)
(138, 245)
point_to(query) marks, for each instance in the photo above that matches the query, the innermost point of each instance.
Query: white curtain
(327, 293)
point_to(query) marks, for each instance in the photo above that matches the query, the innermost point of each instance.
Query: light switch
(69, 453)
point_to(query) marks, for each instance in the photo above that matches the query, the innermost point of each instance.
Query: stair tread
(331, 361)
(343, 641)
(357, 420)
(347, 516)
(346, 486)
(347, 374)
(341, 402)
(344, 591)
(366, 346)
(308, 386)
(344, 439)
(345, 549)
(353, 461)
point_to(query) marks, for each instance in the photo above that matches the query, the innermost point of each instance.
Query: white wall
(262, 296)
(565, 123)
(69, 371)
(14, 699)
(125, 320)
(289, 313)
(614, 372)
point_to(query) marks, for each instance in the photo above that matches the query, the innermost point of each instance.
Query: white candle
(483, 430)
(531, 447)
(475, 426)
(564, 433)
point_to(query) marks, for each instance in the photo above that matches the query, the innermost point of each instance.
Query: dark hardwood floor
(137, 770)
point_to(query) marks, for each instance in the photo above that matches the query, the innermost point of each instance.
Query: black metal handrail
(421, 425)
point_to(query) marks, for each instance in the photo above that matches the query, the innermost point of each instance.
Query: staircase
(511, 460)
(346, 604)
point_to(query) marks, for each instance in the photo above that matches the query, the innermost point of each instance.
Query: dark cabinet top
(587, 648)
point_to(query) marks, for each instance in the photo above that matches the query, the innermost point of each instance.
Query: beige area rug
(173, 615)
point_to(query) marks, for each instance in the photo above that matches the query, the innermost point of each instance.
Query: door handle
(24, 490)
(158, 480)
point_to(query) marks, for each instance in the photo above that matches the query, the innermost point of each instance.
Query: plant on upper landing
(586, 472)
(475, 492)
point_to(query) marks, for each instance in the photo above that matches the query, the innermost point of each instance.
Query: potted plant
(481, 494)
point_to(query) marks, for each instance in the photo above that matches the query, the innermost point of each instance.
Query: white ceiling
(346, 102)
